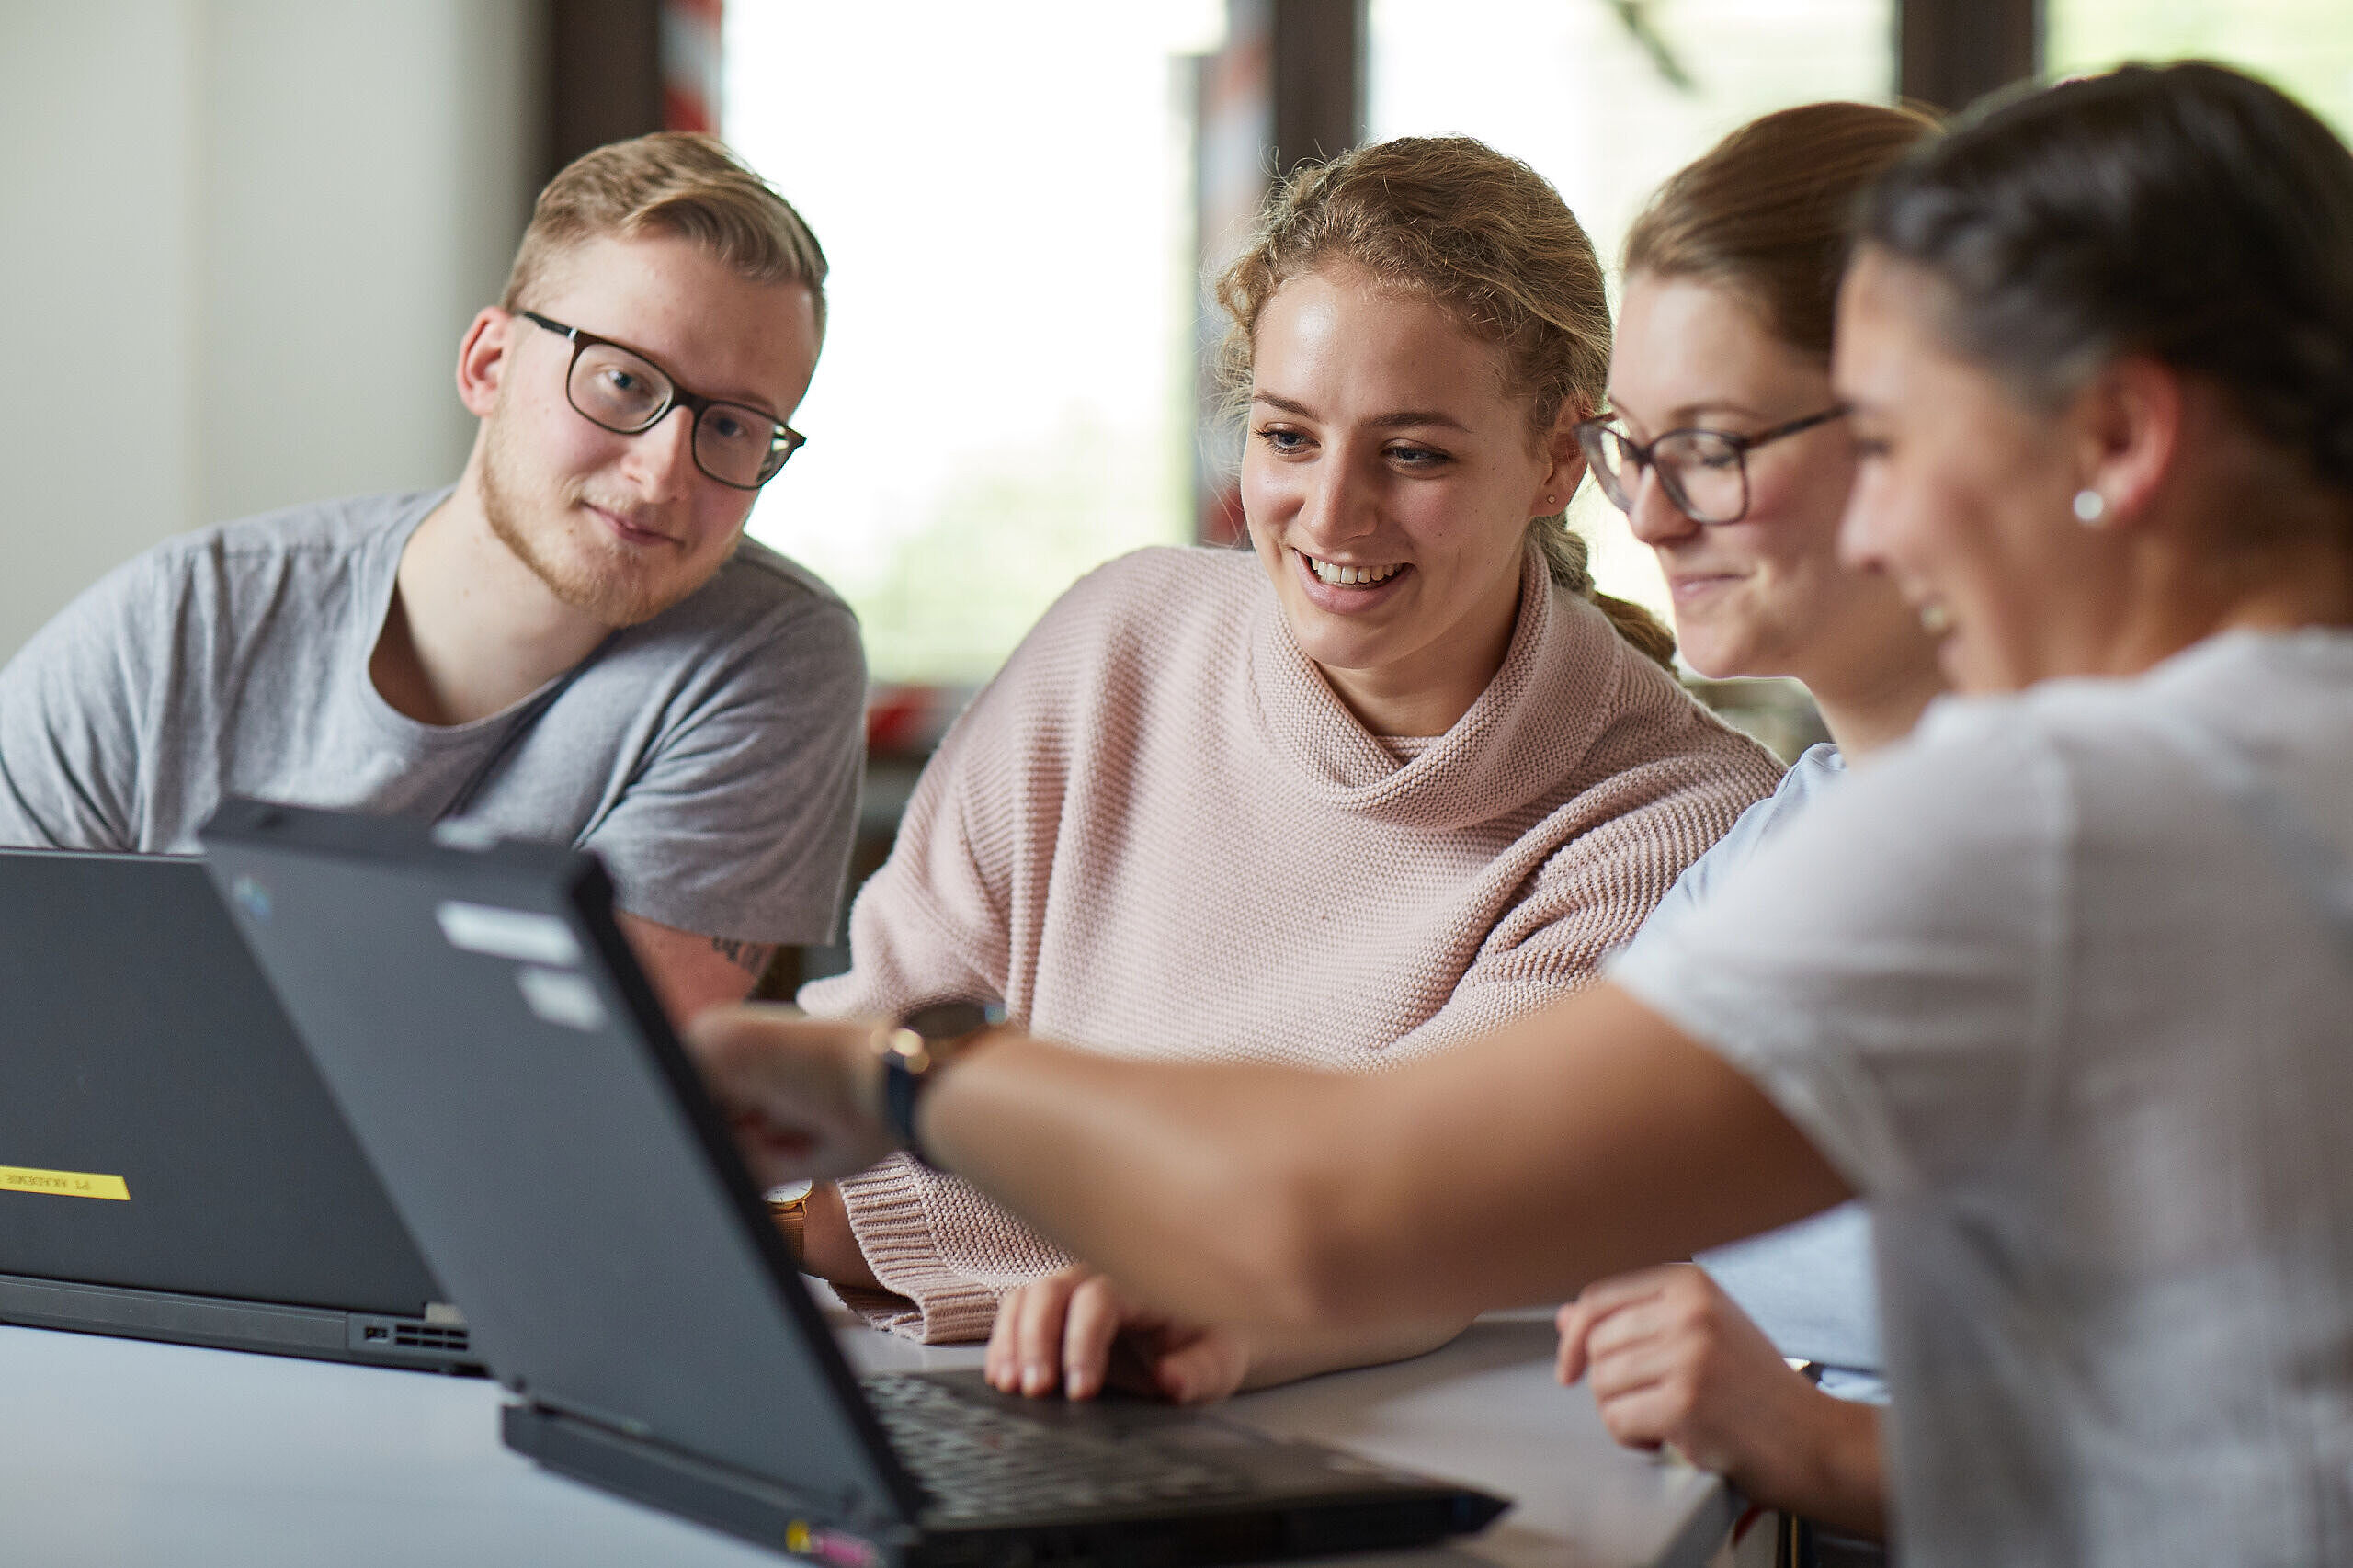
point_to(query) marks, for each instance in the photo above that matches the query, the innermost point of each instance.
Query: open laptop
(171, 1167)
(506, 1065)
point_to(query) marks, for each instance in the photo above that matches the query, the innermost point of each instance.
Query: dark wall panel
(1319, 79)
(1951, 52)
(604, 81)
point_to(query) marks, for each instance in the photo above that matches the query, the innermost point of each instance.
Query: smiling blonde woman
(1398, 778)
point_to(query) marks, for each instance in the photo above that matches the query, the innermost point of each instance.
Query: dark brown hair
(2188, 212)
(1765, 213)
(1489, 240)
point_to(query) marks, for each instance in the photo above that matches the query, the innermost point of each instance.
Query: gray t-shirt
(2081, 1033)
(1809, 1285)
(711, 756)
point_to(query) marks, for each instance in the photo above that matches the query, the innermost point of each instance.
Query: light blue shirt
(1809, 1285)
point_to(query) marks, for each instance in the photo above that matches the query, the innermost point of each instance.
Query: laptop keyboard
(978, 1460)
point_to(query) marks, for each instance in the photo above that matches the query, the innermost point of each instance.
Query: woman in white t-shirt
(2060, 984)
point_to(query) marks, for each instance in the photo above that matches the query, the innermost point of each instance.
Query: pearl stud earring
(2091, 507)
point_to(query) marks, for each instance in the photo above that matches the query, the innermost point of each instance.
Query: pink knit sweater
(1157, 833)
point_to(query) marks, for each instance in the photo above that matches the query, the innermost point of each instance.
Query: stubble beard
(614, 591)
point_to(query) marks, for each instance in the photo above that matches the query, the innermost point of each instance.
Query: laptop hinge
(324, 1334)
(164, 1315)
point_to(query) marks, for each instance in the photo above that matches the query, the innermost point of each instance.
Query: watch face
(790, 1192)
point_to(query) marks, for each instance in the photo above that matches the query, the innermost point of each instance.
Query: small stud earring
(2091, 507)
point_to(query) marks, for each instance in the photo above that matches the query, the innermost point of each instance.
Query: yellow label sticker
(62, 1184)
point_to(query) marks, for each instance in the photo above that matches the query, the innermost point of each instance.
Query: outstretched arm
(1585, 1140)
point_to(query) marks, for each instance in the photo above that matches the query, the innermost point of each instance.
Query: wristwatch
(789, 1207)
(915, 1047)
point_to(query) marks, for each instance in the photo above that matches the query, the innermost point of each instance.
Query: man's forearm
(691, 971)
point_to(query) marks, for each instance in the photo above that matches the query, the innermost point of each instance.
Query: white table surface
(120, 1452)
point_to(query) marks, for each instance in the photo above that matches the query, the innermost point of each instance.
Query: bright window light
(1006, 395)
(2304, 47)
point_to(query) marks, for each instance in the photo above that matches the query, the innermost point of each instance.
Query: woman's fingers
(1057, 1333)
(1670, 1359)
(1001, 1363)
(1075, 1332)
(1574, 1321)
(1639, 1322)
(1597, 1307)
(1094, 1319)
(1646, 1384)
(1644, 1416)
(1685, 1366)
(1642, 1364)
(1038, 1332)
(1025, 1345)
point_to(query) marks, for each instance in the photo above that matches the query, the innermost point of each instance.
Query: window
(1006, 394)
(2304, 47)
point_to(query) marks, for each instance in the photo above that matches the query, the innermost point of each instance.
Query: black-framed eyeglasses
(616, 388)
(1704, 473)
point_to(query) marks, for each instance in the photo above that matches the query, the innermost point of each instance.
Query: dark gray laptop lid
(140, 1046)
(506, 1066)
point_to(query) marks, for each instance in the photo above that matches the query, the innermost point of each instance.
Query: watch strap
(901, 1077)
(788, 1209)
(913, 1051)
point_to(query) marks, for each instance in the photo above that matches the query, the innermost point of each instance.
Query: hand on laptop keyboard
(1073, 1333)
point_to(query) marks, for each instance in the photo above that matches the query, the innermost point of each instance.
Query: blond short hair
(677, 183)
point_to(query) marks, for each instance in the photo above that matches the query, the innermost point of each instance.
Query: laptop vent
(427, 1337)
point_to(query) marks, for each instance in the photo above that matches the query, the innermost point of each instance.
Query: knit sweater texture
(1158, 833)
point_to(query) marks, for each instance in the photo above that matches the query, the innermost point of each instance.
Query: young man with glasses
(574, 642)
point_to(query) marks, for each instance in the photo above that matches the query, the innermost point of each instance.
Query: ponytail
(1567, 560)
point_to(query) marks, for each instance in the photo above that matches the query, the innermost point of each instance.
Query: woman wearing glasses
(1729, 454)
(1395, 777)
(2060, 982)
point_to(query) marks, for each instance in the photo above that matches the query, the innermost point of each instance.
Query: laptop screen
(161, 1126)
(506, 1066)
